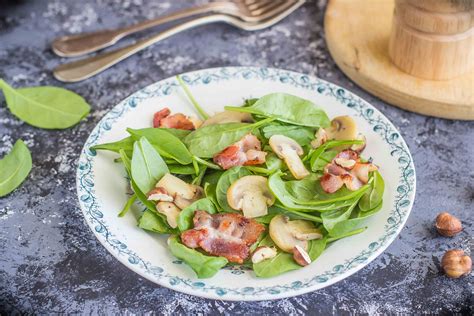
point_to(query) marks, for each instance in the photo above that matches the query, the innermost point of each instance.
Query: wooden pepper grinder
(433, 39)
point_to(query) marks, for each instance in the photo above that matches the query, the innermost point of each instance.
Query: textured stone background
(51, 262)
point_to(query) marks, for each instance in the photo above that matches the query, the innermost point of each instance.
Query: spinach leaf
(207, 163)
(316, 248)
(279, 209)
(344, 227)
(332, 218)
(348, 234)
(14, 168)
(326, 157)
(374, 196)
(125, 144)
(200, 110)
(180, 169)
(45, 107)
(140, 195)
(321, 200)
(204, 266)
(180, 133)
(152, 222)
(281, 263)
(147, 165)
(225, 181)
(287, 108)
(128, 205)
(284, 262)
(274, 163)
(302, 135)
(210, 193)
(167, 145)
(198, 179)
(315, 154)
(209, 140)
(185, 217)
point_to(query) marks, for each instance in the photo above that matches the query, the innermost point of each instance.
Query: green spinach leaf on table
(287, 108)
(45, 107)
(204, 266)
(14, 168)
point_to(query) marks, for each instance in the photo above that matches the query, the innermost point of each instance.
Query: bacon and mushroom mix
(215, 190)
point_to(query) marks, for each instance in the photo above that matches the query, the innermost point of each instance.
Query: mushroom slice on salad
(171, 211)
(183, 202)
(245, 152)
(342, 128)
(290, 151)
(287, 234)
(251, 195)
(228, 117)
(176, 187)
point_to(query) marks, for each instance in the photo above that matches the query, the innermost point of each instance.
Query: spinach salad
(268, 185)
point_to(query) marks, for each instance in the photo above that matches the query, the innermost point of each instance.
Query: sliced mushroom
(290, 151)
(263, 253)
(301, 256)
(321, 137)
(283, 236)
(182, 203)
(342, 128)
(228, 117)
(358, 148)
(251, 195)
(304, 230)
(176, 187)
(171, 212)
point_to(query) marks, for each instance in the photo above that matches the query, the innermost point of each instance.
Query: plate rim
(207, 75)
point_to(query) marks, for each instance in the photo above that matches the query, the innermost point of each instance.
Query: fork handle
(88, 67)
(80, 44)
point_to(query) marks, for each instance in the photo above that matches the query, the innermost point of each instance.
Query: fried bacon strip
(163, 118)
(245, 152)
(346, 169)
(228, 235)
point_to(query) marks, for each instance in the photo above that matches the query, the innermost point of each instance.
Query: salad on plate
(268, 184)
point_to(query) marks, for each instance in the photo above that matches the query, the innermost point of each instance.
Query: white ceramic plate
(102, 186)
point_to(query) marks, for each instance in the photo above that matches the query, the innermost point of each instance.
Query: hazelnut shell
(456, 263)
(448, 225)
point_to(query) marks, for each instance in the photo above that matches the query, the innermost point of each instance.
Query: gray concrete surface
(50, 262)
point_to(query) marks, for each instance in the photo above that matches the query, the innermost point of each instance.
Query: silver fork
(80, 44)
(88, 67)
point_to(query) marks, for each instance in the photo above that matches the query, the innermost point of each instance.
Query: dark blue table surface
(51, 262)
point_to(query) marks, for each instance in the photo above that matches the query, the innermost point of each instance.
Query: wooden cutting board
(357, 34)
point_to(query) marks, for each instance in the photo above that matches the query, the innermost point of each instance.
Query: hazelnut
(456, 263)
(448, 225)
(301, 256)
